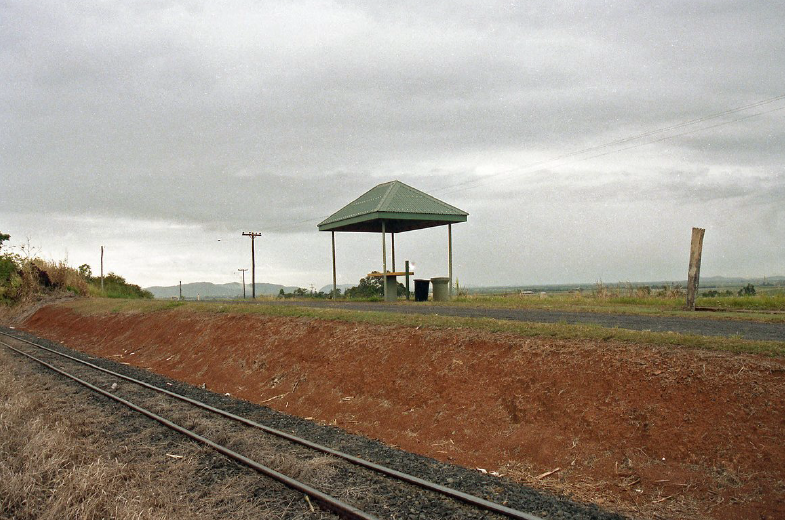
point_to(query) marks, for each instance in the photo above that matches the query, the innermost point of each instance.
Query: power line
(466, 184)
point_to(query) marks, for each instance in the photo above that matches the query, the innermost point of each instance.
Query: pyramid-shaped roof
(401, 207)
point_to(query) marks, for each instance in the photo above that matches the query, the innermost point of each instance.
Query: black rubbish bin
(421, 290)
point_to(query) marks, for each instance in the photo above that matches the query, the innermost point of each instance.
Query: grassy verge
(768, 308)
(562, 331)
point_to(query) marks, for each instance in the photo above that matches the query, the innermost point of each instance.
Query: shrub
(24, 278)
(371, 287)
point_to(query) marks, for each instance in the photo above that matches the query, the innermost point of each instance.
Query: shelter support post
(384, 260)
(392, 238)
(449, 255)
(335, 279)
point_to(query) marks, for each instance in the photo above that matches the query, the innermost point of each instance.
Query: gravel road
(700, 326)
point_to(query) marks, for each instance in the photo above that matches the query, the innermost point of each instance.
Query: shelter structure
(393, 207)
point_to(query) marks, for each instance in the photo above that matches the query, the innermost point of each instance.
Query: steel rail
(328, 502)
(426, 484)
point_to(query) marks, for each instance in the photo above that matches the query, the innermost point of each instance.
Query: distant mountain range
(209, 290)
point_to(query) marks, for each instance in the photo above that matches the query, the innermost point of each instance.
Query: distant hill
(210, 290)
(342, 287)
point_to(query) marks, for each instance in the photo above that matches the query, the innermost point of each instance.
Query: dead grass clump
(64, 277)
(50, 470)
(59, 459)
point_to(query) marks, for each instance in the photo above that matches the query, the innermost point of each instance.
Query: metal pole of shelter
(392, 237)
(449, 255)
(335, 282)
(384, 260)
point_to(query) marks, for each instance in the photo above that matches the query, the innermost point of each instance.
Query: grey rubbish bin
(441, 289)
(421, 290)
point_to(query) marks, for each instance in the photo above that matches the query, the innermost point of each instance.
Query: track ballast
(359, 488)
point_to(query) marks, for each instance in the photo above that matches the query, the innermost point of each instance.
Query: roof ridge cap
(391, 190)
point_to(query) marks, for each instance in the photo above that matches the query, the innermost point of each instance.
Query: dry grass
(59, 459)
(63, 276)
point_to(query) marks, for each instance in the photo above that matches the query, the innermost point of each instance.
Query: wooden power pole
(243, 270)
(102, 269)
(693, 275)
(253, 262)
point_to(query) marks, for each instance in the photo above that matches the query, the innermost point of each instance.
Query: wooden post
(384, 261)
(102, 270)
(407, 278)
(253, 262)
(693, 275)
(335, 280)
(243, 271)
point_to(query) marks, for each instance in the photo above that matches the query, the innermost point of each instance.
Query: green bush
(7, 268)
(371, 287)
(115, 286)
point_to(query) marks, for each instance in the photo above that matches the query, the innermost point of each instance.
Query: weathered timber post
(693, 276)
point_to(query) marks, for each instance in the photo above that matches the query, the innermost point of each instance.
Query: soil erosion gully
(144, 398)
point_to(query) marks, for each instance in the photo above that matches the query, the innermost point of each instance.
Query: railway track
(387, 492)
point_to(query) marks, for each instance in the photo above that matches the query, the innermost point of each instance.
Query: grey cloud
(268, 114)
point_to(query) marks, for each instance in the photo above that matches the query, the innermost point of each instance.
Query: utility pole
(102, 268)
(181, 289)
(253, 262)
(243, 270)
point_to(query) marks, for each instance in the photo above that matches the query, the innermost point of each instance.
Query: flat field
(649, 428)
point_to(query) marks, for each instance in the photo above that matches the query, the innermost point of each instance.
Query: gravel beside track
(699, 326)
(401, 501)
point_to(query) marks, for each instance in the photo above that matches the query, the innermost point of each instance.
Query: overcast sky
(585, 139)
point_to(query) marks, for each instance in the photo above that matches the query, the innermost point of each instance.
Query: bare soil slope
(651, 431)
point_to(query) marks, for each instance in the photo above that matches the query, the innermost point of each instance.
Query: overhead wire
(457, 187)
(574, 156)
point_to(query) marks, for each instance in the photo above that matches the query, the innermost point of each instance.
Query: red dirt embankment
(641, 429)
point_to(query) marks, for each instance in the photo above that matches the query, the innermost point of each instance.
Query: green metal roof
(398, 205)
